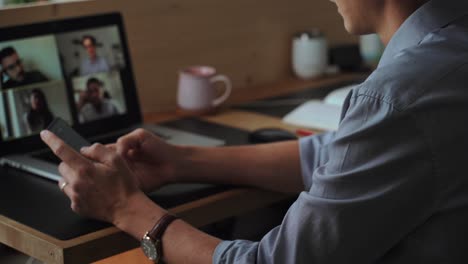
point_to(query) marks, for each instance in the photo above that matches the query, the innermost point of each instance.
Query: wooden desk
(111, 241)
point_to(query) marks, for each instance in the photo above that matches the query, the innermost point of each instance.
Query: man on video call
(93, 105)
(389, 186)
(93, 63)
(13, 68)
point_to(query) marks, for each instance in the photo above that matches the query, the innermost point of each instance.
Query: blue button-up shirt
(391, 184)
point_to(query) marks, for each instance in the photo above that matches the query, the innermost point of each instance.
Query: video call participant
(93, 104)
(39, 115)
(93, 63)
(13, 68)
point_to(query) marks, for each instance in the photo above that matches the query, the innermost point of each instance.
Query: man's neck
(394, 14)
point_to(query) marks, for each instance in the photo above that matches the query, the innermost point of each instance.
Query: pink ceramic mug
(196, 91)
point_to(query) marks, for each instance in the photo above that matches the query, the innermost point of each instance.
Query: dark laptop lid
(78, 69)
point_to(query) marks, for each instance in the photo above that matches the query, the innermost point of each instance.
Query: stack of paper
(320, 114)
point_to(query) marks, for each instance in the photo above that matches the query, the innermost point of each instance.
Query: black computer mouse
(267, 135)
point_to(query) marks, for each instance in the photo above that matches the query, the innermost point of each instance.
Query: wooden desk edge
(111, 241)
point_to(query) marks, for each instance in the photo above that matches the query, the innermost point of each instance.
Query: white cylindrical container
(371, 48)
(309, 54)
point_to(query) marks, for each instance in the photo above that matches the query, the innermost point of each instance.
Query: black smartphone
(65, 132)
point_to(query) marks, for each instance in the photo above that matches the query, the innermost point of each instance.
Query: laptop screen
(76, 69)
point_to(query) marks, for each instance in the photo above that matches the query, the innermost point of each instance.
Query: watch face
(149, 248)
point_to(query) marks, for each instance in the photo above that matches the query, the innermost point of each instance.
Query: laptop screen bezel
(92, 129)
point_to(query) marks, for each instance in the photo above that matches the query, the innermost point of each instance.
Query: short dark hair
(94, 80)
(6, 52)
(92, 38)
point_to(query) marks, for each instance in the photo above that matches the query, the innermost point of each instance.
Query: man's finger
(66, 172)
(112, 146)
(99, 153)
(62, 150)
(67, 190)
(64, 186)
(130, 141)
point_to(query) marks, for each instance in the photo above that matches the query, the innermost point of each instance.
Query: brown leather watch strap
(158, 229)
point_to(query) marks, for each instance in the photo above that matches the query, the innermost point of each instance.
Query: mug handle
(228, 86)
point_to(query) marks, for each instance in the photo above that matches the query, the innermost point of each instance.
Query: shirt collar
(430, 17)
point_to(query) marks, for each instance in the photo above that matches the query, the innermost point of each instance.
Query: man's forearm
(182, 243)
(268, 166)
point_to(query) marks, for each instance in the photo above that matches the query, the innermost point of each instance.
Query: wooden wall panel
(247, 40)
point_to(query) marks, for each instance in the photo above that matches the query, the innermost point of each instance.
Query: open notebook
(320, 114)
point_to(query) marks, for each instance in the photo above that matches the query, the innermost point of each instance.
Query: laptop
(79, 70)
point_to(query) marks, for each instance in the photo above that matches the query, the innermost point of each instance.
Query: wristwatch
(151, 243)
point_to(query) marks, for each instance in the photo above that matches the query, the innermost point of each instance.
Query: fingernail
(44, 133)
(83, 149)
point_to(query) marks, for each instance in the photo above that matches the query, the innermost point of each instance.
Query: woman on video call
(39, 114)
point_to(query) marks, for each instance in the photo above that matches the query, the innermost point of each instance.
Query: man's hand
(84, 99)
(155, 163)
(151, 160)
(101, 186)
(98, 182)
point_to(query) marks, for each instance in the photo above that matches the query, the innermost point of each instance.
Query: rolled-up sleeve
(359, 178)
(313, 153)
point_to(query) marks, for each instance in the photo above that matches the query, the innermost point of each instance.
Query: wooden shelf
(248, 94)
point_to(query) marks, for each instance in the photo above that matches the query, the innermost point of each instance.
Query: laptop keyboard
(47, 156)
